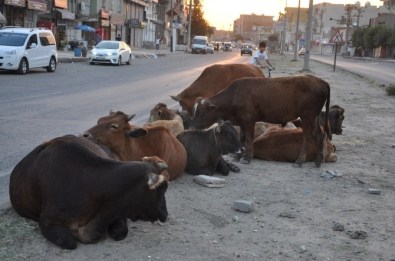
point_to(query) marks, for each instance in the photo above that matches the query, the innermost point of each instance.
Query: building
(138, 22)
(254, 28)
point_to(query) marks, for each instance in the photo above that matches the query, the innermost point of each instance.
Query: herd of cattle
(79, 188)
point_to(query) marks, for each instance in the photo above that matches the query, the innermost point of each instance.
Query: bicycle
(269, 69)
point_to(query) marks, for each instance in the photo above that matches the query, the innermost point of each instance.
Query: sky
(222, 13)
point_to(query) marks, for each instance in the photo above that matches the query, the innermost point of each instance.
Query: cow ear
(155, 180)
(136, 132)
(176, 98)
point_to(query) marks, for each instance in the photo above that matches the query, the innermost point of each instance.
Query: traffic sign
(337, 38)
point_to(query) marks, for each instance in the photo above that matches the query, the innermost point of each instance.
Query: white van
(24, 48)
(199, 44)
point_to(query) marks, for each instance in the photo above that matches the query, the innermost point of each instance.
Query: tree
(199, 26)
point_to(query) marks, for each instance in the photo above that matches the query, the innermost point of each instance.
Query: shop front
(15, 12)
(64, 22)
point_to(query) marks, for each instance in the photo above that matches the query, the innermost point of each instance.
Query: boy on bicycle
(260, 56)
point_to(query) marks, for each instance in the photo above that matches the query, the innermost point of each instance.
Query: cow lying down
(205, 147)
(160, 115)
(76, 194)
(284, 144)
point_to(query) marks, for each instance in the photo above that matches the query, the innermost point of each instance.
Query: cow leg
(319, 139)
(249, 135)
(118, 230)
(58, 235)
(222, 167)
(307, 127)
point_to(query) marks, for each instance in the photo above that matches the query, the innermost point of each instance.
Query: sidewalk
(69, 57)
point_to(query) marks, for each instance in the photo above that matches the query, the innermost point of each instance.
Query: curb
(85, 59)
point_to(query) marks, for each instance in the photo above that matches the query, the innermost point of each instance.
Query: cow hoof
(297, 165)
(245, 161)
(233, 167)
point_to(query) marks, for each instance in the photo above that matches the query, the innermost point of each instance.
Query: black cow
(77, 194)
(205, 147)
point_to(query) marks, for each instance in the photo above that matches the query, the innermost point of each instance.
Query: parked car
(210, 48)
(22, 49)
(302, 51)
(111, 52)
(246, 49)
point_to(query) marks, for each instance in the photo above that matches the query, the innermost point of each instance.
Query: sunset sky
(222, 13)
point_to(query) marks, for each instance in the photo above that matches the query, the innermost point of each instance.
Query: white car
(111, 52)
(22, 49)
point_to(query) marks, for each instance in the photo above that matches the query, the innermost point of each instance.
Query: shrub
(390, 90)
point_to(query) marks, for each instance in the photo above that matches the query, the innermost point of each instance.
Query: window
(46, 39)
(12, 39)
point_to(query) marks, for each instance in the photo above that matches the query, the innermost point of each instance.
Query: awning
(2, 19)
(37, 5)
(66, 14)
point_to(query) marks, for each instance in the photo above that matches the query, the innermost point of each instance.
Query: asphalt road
(40, 106)
(383, 71)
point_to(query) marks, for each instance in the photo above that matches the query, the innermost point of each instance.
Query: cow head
(186, 104)
(226, 137)
(152, 205)
(203, 114)
(114, 130)
(336, 117)
(161, 112)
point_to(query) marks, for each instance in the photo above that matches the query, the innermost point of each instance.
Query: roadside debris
(208, 181)
(331, 174)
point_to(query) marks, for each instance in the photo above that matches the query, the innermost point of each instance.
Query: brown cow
(76, 193)
(133, 143)
(274, 100)
(284, 144)
(212, 80)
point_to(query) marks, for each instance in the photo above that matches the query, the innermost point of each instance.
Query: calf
(284, 144)
(205, 147)
(77, 193)
(273, 100)
(160, 115)
(133, 143)
(335, 118)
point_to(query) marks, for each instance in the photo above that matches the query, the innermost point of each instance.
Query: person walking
(157, 43)
(260, 57)
(118, 38)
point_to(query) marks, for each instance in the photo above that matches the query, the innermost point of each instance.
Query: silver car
(111, 52)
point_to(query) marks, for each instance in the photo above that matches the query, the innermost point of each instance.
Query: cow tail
(326, 125)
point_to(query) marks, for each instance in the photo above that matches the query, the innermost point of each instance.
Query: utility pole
(308, 38)
(296, 35)
(171, 25)
(189, 24)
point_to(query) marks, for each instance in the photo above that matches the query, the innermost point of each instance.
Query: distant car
(210, 48)
(22, 49)
(111, 52)
(227, 47)
(246, 49)
(302, 51)
(254, 48)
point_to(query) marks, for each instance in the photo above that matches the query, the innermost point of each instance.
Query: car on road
(111, 52)
(210, 48)
(246, 49)
(22, 49)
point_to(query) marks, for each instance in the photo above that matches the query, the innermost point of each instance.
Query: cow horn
(131, 116)
(176, 98)
(155, 180)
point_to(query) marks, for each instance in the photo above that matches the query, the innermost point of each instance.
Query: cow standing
(133, 143)
(274, 100)
(205, 147)
(212, 80)
(76, 193)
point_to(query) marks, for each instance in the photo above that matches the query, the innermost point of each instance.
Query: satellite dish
(367, 4)
(357, 4)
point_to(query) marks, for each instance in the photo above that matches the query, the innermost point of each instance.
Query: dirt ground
(298, 214)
